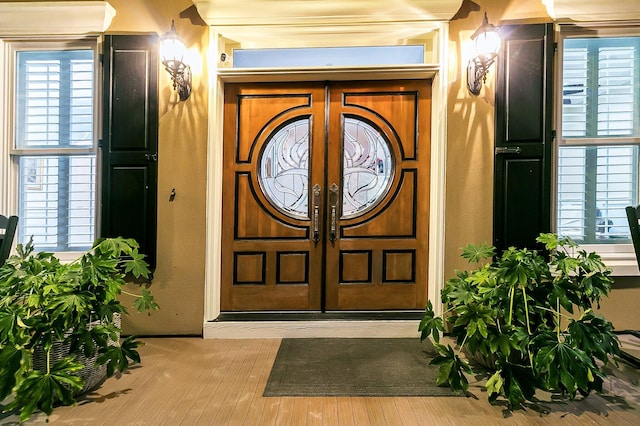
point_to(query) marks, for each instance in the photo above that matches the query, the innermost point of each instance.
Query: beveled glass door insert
(368, 166)
(284, 168)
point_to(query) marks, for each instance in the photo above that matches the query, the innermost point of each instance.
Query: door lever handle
(317, 191)
(508, 150)
(333, 204)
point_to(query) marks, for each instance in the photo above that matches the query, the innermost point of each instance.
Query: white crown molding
(593, 10)
(297, 23)
(55, 18)
(325, 12)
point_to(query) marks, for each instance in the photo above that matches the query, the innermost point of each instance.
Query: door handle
(317, 191)
(333, 204)
(508, 150)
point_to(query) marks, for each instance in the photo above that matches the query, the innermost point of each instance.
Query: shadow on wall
(470, 143)
(466, 8)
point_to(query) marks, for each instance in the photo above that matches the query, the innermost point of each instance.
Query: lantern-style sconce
(172, 50)
(487, 45)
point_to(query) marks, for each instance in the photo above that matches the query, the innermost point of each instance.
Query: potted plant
(54, 316)
(529, 316)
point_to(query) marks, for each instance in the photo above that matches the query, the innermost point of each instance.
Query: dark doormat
(353, 367)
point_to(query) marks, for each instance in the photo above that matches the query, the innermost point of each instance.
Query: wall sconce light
(172, 50)
(487, 45)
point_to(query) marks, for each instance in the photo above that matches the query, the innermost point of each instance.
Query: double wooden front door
(325, 196)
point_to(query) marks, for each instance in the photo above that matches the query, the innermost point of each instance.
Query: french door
(325, 196)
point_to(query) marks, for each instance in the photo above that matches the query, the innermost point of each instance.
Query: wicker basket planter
(92, 374)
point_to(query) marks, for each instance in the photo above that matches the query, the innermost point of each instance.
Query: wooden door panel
(378, 297)
(243, 298)
(269, 107)
(269, 261)
(396, 218)
(394, 231)
(389, 105)
(399, 266)
(258, 220)
(356, 266)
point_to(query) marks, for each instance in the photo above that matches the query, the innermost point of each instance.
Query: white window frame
(9, 180)
(45, 20)
(620, 257)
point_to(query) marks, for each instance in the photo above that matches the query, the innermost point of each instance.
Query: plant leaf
(117, 357)
(494, 385)
(452, 369)
(14, 362)
(145, 301)
(477, 253)
(42, 390)
(430, 325)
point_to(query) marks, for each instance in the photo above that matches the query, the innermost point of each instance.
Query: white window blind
(54, 147)
(598, 154)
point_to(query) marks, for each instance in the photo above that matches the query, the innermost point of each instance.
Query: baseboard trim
(309, 329)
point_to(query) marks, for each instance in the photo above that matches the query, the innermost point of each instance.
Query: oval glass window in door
(367, 169)
(284, 169)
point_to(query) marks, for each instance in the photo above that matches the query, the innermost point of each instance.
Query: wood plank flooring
(192, 381)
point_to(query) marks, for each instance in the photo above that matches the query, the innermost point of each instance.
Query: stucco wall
(179, 280)
(178, 284)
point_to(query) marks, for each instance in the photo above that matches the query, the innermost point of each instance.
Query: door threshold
(317, 315)
(274, 325)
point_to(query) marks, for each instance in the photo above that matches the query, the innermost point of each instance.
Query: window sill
(67, 256)
(619, 257)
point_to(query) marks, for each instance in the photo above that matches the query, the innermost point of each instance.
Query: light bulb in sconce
(172, 51)
(487, 46)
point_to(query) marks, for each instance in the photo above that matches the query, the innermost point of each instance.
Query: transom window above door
(328, 56)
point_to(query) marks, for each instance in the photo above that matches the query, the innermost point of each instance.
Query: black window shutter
(130, 140)
(523, 136)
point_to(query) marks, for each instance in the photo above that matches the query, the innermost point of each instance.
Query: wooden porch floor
(192, 381)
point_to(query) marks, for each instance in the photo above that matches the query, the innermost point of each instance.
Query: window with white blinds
(598, 168)
(55, 148)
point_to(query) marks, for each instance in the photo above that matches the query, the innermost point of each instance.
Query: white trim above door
(326, 23)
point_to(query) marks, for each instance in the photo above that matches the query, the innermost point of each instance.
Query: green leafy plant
(527, 319)
(44, 303)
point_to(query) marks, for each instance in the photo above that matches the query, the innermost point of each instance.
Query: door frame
(218, 77)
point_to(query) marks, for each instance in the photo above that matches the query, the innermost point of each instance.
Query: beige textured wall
(623, 304)
(178, 284)
(179, 280)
